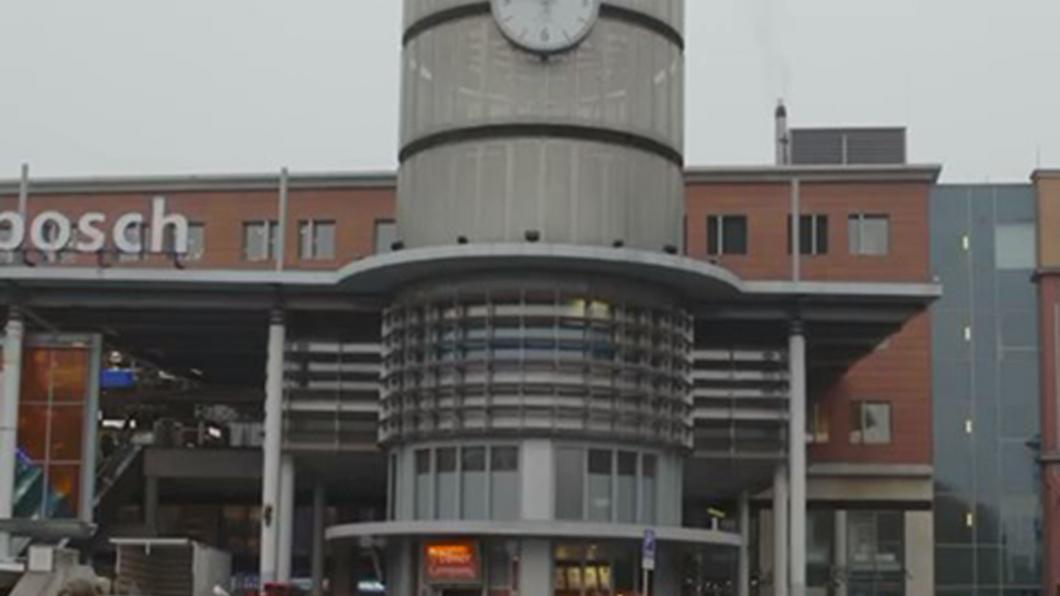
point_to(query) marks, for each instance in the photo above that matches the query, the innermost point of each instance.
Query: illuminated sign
(52, 231)
(452, 562)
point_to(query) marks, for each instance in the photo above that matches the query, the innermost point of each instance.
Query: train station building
(544, 338)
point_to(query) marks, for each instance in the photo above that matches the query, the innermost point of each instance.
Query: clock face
(546, 26)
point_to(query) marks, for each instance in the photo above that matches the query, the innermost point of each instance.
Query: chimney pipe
(782, 136)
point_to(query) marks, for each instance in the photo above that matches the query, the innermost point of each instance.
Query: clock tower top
(559, 120)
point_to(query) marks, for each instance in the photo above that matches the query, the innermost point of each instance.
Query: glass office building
(986, 386)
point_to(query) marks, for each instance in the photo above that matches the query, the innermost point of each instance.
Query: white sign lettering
(51, 231)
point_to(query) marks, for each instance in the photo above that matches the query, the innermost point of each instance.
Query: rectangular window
(445, 484)
(570, 483)
(726, 235)
(423, 484)
(869, 235)
(817, 426)
(316, 240)
(1015, 246)
(473, 483)
(870, 423)
(504, 483)
(196, 241)
(648, 484)
(876, 548)
(813, 235)
(627, 487)
(8, 256)
(260, 240)
(601, 468)
(385, 235)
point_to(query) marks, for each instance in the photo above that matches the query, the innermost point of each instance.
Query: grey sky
(110, 87)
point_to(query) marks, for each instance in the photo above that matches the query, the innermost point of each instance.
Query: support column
(744, 579)
(12, 387)
(797, 458)
(151, 505)
(780, 531)
(319, 506)
(839, 555)
(285, 536)
(272, 447)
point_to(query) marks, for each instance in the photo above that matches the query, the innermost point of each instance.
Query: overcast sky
(113, 87)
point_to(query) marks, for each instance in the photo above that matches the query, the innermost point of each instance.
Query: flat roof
(388, 179)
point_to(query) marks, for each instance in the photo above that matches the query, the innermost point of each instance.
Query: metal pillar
(839, 555)
(284, 547)
(272, 447)
(797, 458)
(12, 386)
(744, 580)
(319, 505)
(780, 531)
(151, 505)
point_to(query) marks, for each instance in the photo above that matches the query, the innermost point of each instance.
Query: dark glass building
(986, 386)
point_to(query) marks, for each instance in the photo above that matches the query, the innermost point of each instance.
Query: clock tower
(536, 403)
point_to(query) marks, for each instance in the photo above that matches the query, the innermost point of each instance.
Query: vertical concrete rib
(797, 458)
(744, 587)
(317, 566)
(285, 535)
(272, 447)
(12, 385)
(780, 531)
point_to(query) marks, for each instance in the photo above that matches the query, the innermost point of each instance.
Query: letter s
(92, 238)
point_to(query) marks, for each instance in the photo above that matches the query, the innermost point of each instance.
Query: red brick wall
(767, 206)
(353, 210)
(899, 372)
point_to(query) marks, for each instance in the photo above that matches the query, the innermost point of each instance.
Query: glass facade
(472, 482)
(985, 349)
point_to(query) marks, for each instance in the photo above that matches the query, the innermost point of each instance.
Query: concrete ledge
(530, 529)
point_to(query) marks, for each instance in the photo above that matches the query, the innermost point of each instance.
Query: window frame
(641, 514)
(819, 243)
(856, 234)
(431, 482)
(382, 221)
(717, 239)
(309, 245)
(271, 243)
(860, 416)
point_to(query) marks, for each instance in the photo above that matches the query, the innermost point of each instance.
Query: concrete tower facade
(521, 398)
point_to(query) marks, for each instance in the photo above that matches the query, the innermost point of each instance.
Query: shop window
(813, 235)
(473, 483)
(876, 552)
(260, 240)
(869, 235)
(589, 568)
(316, 240)
(870, 423)
(385, 235)
(1015, 246)
(726, 235)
